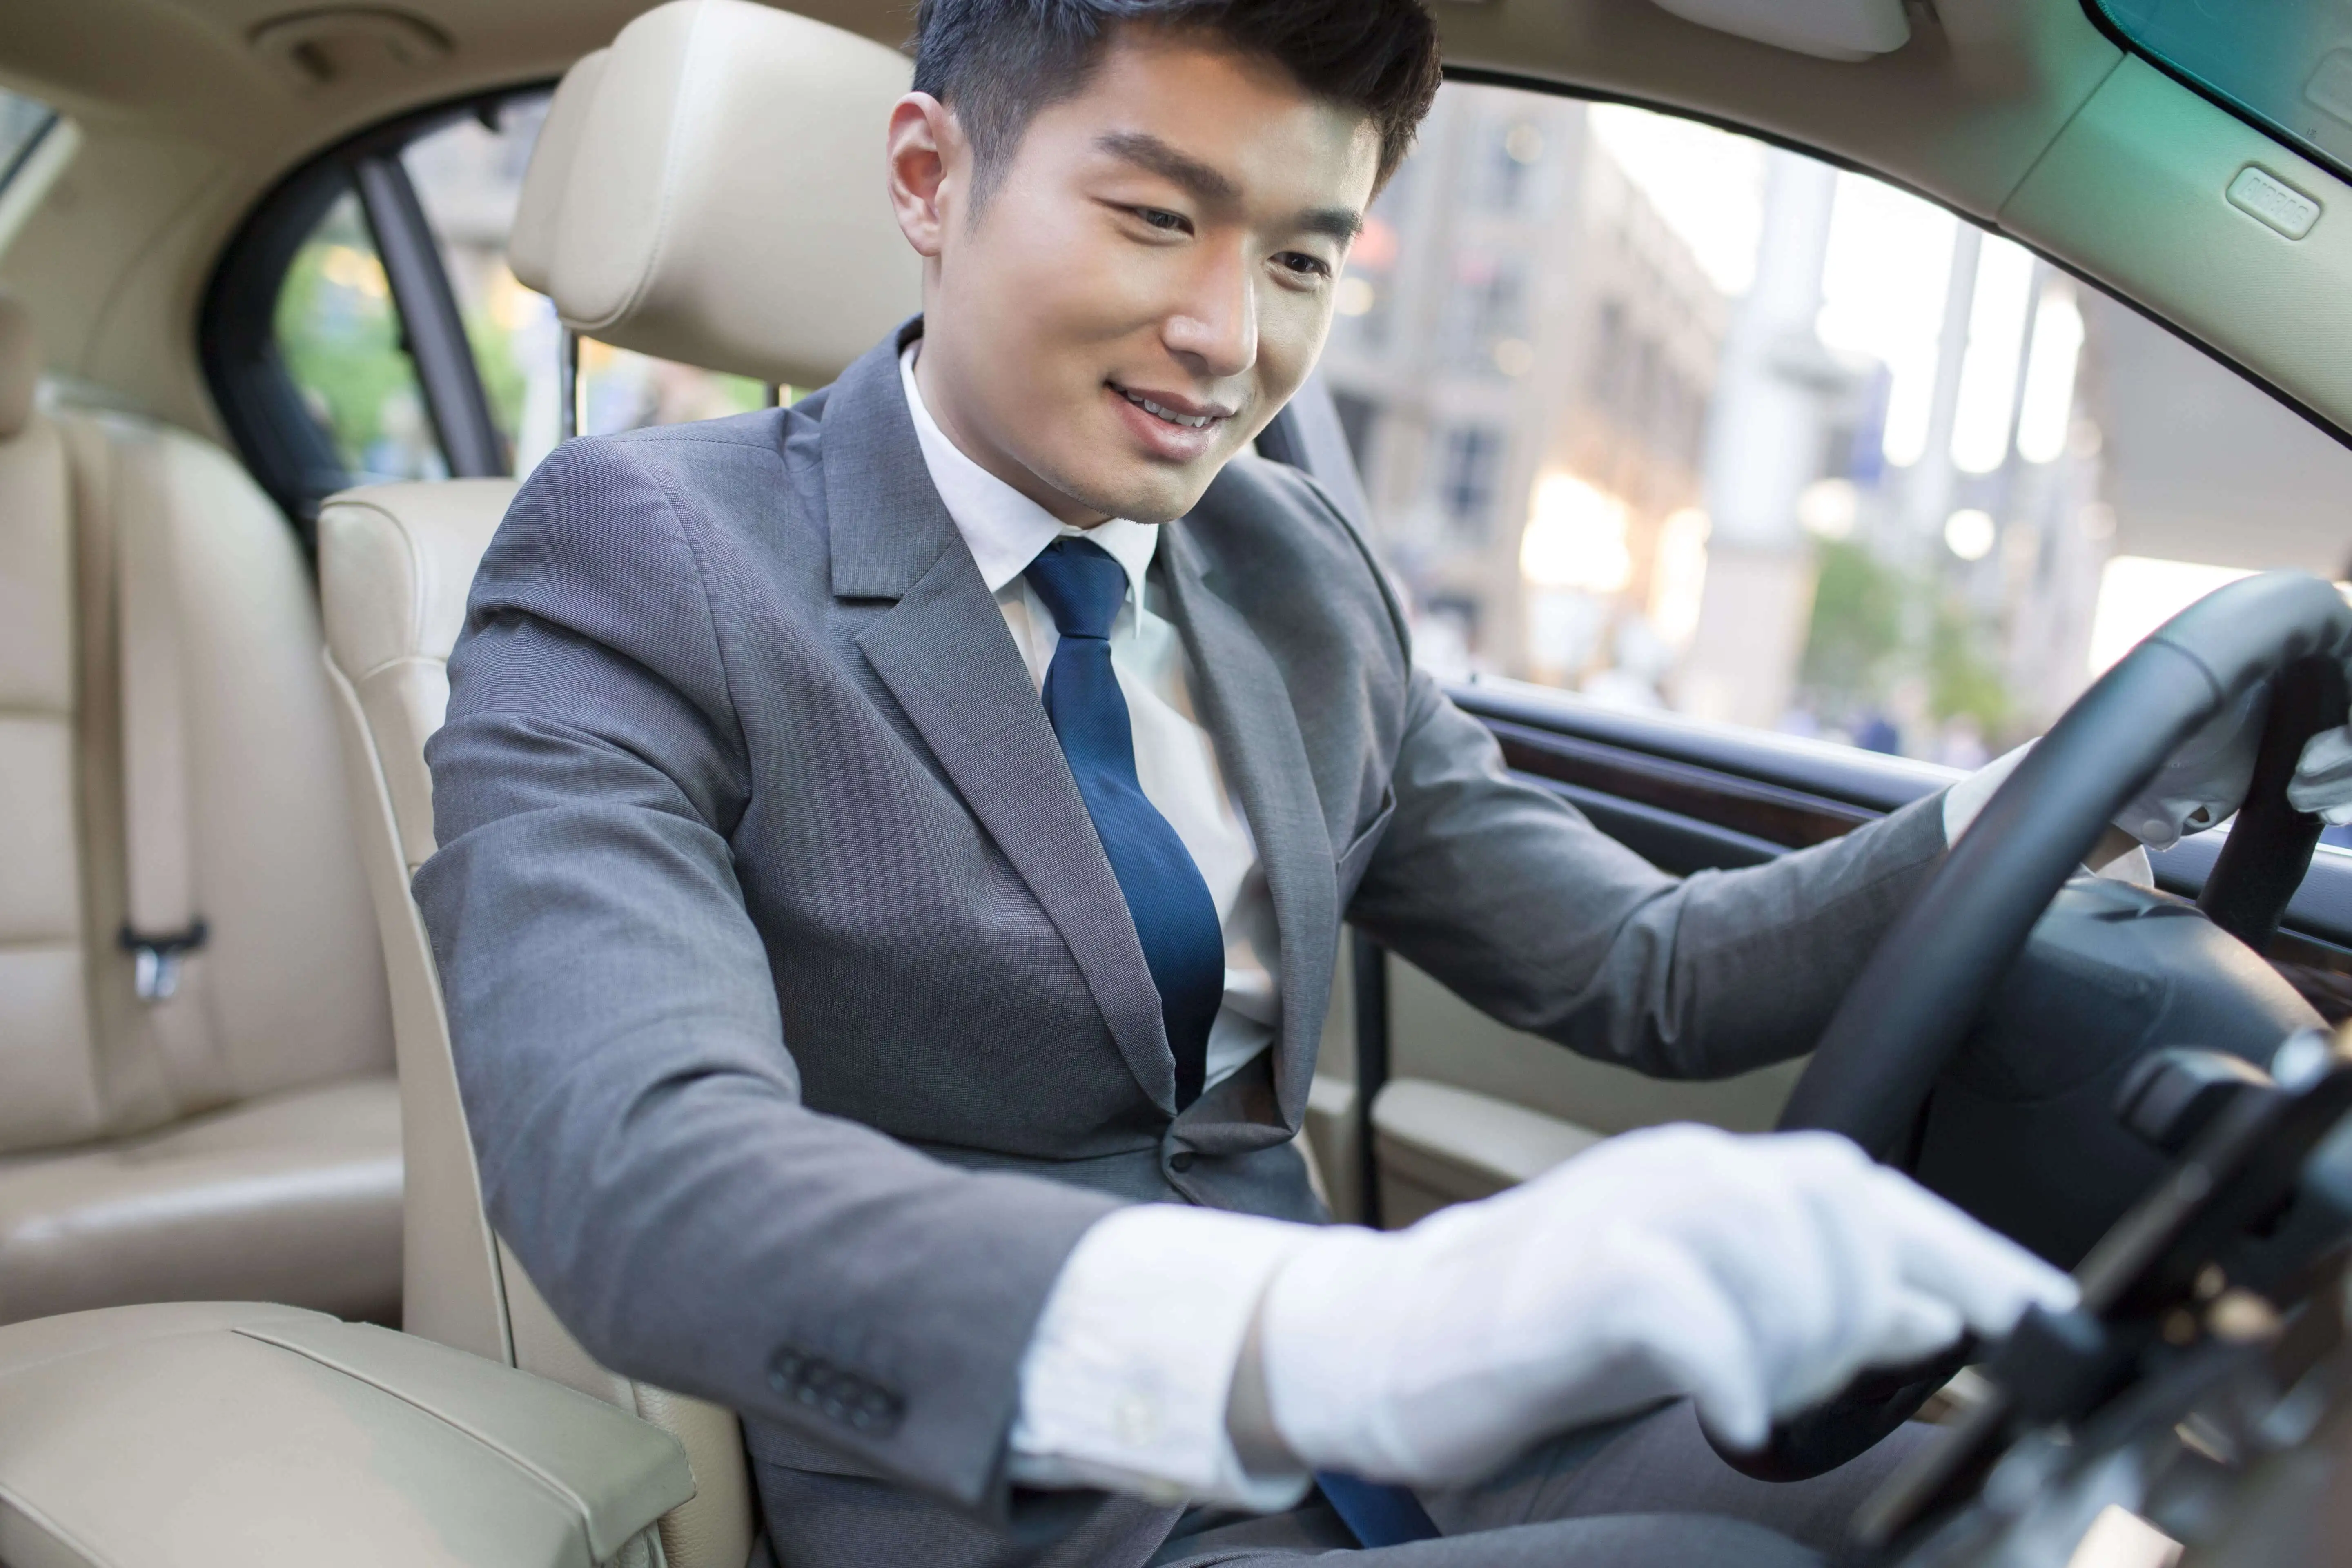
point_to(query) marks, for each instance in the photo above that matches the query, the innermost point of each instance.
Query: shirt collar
(1004, 530)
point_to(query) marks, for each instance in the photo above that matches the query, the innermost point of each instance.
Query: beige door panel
(1441, 1145)
(1473, 1107)
(1435, 1035)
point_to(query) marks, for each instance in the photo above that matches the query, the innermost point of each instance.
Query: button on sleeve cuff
(1125, 1383)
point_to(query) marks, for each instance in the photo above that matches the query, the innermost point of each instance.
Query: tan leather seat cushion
(293, 1199)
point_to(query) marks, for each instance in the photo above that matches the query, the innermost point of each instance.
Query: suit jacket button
(1180, 1161)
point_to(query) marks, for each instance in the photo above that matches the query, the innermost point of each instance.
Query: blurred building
(1523, 359)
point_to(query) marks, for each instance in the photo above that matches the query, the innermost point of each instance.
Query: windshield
(2286, 64)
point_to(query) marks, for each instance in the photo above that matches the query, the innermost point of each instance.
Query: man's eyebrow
(1211, 187)
(1342, 224)
(1150, 153)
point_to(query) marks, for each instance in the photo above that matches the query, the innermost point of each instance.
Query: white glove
(1755, 1274)
(2204, 782)
(2323, 778)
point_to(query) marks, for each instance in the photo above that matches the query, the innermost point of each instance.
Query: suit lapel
(945, 654)
(1245, 706)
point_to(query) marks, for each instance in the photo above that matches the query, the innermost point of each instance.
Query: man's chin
(1153, 496)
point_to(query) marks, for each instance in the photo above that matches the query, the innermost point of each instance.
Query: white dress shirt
(1125, 1383)
(1175, 760)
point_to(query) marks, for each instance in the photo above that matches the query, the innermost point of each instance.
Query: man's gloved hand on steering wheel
(2322, 779)
(2203, 784)
(1755, 1275)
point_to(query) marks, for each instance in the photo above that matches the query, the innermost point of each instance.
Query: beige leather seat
(238, 1137)
(774, 257)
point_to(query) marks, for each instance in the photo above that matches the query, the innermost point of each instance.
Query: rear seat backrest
(289, 988)
(48, 1063)
(241, 1138)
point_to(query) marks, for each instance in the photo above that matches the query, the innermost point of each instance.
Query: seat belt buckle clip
(155, 958)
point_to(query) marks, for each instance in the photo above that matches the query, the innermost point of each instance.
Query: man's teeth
(1190, 421)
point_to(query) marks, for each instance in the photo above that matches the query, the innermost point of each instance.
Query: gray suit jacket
(800, 1022)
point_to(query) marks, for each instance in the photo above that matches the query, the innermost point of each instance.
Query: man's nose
(1214, 329)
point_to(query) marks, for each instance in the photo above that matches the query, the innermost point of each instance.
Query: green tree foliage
(1876, 627)
(1857, 630)
(340, 336)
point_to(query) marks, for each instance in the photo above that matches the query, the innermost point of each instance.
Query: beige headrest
(20, 365)
(724, 203)
(530, 249)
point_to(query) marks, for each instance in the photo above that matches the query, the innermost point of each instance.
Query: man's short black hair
(998, 62)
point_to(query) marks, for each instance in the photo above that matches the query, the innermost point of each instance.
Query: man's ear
(929, 160)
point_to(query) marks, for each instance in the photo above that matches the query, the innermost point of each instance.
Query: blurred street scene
(1671, 417)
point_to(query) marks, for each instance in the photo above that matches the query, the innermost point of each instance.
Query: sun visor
(726, 204)
(1830, 29)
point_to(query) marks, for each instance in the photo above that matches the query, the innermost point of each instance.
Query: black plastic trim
(263, 414)
(32, 145)
(1667, 839)
(431, 324)
(1812, 772)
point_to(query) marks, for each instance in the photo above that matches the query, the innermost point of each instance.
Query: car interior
(251, 1307)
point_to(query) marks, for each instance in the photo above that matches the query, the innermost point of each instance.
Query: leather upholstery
(20, 366)
(403, 558)
(290, 989)
(531, 244)
(294, 1197)
(203, 1434)
(240, 1139)
(724, 206)
(395, 562)
(51, 1089)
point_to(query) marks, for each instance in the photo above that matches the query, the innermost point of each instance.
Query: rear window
(2285, 65)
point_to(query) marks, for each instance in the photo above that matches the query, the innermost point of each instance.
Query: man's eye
(1162, 219)
(1306, 266)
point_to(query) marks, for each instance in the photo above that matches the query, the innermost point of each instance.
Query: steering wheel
(1915, 1001)
(1918, 996)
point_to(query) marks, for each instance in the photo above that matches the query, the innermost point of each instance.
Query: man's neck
(938, 399)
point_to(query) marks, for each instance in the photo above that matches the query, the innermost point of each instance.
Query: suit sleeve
(637, 1116)
(1512, 899)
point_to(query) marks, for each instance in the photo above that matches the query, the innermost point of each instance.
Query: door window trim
(237, 323)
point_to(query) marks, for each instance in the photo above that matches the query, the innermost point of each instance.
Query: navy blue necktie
(1175, 919)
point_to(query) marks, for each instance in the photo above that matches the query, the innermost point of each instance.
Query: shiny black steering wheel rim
(1917, 998)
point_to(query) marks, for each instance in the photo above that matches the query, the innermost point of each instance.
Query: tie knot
(1081, 585)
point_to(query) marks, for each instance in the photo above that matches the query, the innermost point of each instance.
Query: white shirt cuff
(1125, 1383)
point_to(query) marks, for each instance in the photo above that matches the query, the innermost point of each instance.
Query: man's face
(1147, 282)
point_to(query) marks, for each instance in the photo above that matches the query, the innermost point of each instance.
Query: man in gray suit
(893, 858)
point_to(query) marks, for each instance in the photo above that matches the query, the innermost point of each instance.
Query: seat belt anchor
(155, 958)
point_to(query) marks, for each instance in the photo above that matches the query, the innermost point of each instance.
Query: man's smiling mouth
(1188, 418)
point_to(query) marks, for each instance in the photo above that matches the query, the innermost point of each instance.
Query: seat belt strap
(163, 927)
